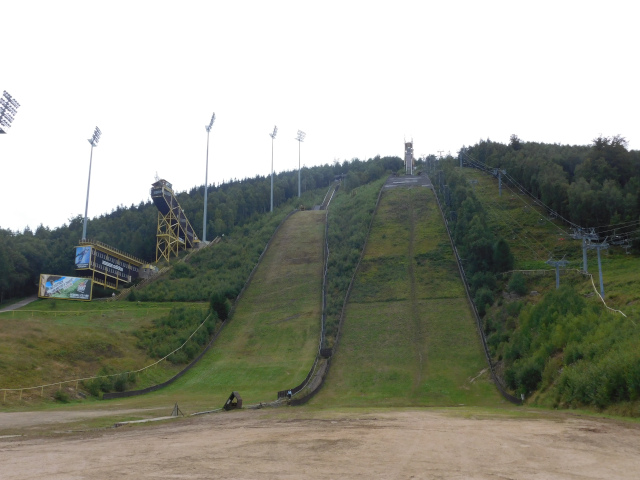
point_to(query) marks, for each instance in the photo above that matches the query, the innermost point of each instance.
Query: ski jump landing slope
(408, 337)
(272, 340)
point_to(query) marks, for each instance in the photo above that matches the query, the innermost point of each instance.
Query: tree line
(592, 186)
(484, 252)
(232, 205)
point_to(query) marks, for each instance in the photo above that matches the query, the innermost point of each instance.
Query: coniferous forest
(25, 255)
(592, 186)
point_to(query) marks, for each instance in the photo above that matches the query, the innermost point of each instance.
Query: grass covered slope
(53, 341)
(272, 340)
(408, 335)
(559, 348)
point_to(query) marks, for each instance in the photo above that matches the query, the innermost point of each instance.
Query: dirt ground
(304, 444)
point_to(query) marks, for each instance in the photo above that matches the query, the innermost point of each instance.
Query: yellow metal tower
(174, 230)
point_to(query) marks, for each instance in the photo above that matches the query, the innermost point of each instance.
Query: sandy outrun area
(297, 443)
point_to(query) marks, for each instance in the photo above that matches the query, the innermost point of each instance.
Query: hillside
(233, 208)
(48, 342)
(272, 339)
(408, 336)
(563, 347)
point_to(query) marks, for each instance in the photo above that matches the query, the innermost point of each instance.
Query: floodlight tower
(206, 180)
(273, 136)
(300, 139)
(94, 143)
(8, 110)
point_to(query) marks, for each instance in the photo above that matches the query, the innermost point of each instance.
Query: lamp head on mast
(96, 137)
(213, 119)
(8, 109)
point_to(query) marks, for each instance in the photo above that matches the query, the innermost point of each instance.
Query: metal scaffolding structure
(174, 230)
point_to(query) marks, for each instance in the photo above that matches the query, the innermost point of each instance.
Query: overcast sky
(358, 77)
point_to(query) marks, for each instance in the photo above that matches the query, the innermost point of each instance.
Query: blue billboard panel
(68, 288)
(83, 257)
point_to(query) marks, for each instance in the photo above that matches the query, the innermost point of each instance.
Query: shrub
(121, 382)
(170, 332)
(550, 372)
(513, 309)
(483, 299)
(61, 396)
(220, 305)
(482, 279)
(517, 284)
(525, 375)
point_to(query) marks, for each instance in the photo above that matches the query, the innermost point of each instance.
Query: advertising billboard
(114, 267)
(68, 288)
(83, 257)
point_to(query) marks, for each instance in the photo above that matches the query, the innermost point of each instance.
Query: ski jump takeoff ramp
(174, 230)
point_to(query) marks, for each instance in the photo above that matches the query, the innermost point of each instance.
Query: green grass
(350, 216)
(534, 237)
(408, 338)
(550, 372)
(48, 342)
(269, 345)
(271, 342)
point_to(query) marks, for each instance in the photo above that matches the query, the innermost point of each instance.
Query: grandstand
(106, 265)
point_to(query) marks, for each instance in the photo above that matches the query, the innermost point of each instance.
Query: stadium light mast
(8, 110)
(94, 142)
(206, 180)
(273, 136)
(300, 139)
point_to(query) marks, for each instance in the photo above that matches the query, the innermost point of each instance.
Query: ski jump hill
(271, 340)
(408, 336)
